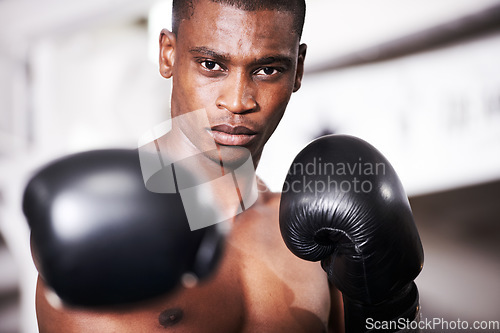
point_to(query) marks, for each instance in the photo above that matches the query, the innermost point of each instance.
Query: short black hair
(184, 9)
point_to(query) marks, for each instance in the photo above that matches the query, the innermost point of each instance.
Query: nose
(238, 94)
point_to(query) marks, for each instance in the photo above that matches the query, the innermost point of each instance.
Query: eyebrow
(209, 53)
(287, 61)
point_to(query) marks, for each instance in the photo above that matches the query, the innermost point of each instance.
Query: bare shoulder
(272, 200)
(284, 286)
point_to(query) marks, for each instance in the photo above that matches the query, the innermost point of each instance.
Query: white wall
(435, 115)
(335, 28)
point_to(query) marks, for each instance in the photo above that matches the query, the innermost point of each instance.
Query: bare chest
(259, 287)
(280, 292)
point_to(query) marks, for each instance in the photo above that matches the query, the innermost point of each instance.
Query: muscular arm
(336, 318)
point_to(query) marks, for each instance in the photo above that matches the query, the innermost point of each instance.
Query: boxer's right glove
(99, 237)
(343, 204)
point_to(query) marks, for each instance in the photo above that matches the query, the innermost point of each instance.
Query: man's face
(240, 66)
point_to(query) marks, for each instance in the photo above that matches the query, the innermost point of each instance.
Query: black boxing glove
(343, 204)
(99, 237)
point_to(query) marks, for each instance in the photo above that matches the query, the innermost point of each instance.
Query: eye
(210, 65)
(267, 71)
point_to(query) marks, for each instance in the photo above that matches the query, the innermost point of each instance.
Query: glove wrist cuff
(396, 311)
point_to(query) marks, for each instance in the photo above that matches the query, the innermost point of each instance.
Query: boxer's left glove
(99, 237)
(343, 204)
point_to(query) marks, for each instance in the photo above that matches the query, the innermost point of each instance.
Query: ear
(167, 52)
(300, 67)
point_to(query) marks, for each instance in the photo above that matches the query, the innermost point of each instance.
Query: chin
(231, 157)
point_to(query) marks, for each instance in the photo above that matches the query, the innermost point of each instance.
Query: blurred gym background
(419, 79)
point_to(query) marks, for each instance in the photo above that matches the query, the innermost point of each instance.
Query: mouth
(229, 135)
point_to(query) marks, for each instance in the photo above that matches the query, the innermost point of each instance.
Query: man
(240, 61)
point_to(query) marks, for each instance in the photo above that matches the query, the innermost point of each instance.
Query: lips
(229, 135)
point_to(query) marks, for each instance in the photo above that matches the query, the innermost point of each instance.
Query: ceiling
(333, 28)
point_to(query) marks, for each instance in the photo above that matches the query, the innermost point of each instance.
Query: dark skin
(241, 67)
